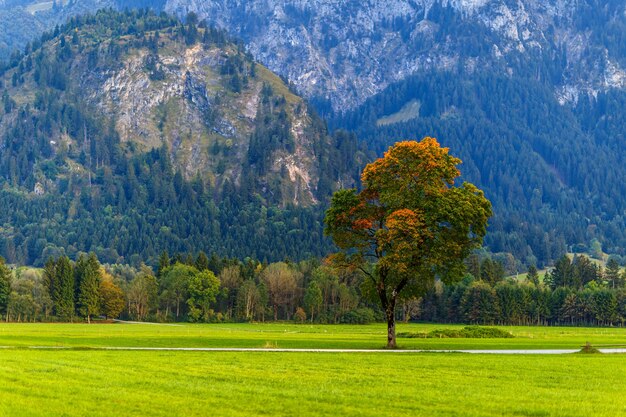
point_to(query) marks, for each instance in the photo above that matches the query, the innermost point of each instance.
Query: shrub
(468, 332)
(358, 316)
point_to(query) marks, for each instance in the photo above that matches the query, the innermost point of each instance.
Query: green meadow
(83, 381)
(131, 383)
(289, 335)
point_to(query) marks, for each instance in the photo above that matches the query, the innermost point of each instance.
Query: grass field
(80, 382)
(291, 336)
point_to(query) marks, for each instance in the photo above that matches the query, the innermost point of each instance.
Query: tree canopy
(410, 224)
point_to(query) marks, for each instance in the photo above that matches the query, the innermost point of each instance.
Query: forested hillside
(552, 172)
(130, 133)
(529, 94)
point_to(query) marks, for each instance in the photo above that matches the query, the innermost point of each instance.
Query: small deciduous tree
(142, 294)
(299, 315)
(203, 289)
(409, 225)
(230, 280)
(111, 296)
(174, 283)
(282, 283)
(249, 300)
(313, 298)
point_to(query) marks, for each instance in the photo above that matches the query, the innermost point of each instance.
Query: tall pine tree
(63, 296)
(5, 286)
(88, 279)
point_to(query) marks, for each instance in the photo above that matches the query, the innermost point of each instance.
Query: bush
(300, 315)
(468, 332)
(358, 316)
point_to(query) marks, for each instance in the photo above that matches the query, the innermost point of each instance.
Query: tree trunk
(391, 325)
(88, 319)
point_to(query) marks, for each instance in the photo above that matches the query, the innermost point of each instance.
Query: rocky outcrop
(345, 52)
(201, 102)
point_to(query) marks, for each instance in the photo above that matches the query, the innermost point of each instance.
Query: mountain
(131, 133)
(529, 94)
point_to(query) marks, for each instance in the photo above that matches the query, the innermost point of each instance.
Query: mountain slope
(553, 173)
(345, 52)
(133, 117)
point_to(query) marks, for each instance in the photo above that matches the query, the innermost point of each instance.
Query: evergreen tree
(491, 272)
(480, 304)
(202, 262)
(5, 286)
(164, 262)
(533, 275)
(612, 274)
(63, 296)
(89, 279)
(49, 276)
(561, 274)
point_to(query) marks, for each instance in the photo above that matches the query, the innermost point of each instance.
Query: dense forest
(213, 289)
(184, 288)
(544, 166)
(70, 184)
(575, 292)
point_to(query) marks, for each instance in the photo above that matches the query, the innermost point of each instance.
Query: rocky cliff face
(346, 51)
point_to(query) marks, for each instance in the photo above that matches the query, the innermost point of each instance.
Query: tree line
(202, 288)
(183, 288)
(574, 292)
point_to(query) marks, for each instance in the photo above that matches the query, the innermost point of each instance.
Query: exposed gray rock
(347, 51)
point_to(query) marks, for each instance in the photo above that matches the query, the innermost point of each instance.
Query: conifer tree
(164, 262)
(202, 262)
(49, 276)
(533, 275)
(89, 277)
(612, 273)
(5, 286)
(63, 296)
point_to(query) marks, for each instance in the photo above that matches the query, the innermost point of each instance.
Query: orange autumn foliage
(411, 223)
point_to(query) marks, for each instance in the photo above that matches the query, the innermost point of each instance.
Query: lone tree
(409, 225)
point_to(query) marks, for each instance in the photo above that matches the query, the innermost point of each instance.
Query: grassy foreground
(79, 382)
(291, 336)
(105, 383)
